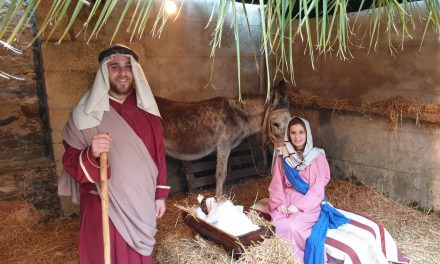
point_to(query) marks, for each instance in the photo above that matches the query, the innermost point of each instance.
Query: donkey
(194, 130)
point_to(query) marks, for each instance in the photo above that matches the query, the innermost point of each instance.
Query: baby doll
(225, 216)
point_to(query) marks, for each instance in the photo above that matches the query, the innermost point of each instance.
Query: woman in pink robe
(302, 216)
(292, 212)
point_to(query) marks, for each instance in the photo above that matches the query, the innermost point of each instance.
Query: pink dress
(296, 228)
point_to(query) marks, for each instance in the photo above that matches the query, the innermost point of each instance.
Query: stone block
(58, 118)
(58, 151)
(20, 151)
(31, 110)
(150, 65)
(410, 187)
(58, 168)
(378, 178)
(72, 56)
(227, 66)
(413, 38)
(8, 115)
(192, 37)
(26, 55)
(400, 163)
(8, 185)
(252, 12)
(66, 89)
(16, 63)
(435, 193)
(417, 146)
(21, 211)
(193, 11)
(339, 169)
(27, 80)
(32, 181)
(194, 86)
(194, 40)
(41, 189)
(383, 75)
(68, 208)
(182, 85)
(48, 36)
(228, 45)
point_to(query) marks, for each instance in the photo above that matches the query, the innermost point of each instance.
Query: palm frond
(322, 26)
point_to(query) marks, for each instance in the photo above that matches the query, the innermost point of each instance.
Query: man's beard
(122, 91)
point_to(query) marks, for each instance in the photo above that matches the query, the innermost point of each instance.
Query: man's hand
(101, 143)
(160, 208)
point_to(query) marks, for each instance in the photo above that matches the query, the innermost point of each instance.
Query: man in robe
(118, 115)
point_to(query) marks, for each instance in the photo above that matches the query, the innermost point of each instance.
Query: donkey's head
(276, 117)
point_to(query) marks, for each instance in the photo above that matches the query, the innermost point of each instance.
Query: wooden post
(104, 204)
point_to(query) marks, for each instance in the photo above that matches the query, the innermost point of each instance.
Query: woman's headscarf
(309, 154)
(90, 109)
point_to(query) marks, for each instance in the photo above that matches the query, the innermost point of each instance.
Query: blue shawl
(329, 218)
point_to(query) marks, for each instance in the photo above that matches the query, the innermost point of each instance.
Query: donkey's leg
(223, 151)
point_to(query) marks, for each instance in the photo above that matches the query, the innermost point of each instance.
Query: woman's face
(298, 136)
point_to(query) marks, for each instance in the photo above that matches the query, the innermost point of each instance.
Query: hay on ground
(200, 250)
(417, 233)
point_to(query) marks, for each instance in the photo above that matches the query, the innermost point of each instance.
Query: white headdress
(309, 154)
(90, 109)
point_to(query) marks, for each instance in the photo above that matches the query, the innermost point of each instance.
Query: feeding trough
(233, 244)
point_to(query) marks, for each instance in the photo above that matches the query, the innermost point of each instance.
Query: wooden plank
(240, 160)
(243, 173)
(201, 172)
(199, 182)
(191, 167)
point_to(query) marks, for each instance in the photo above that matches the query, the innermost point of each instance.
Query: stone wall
(403, 162)
(177, 65)
(26, 168)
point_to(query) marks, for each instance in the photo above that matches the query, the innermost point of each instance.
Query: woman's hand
(287, 210)
(292, 209)
(282, 209)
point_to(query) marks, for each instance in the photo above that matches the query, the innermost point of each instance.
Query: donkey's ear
(278, 97)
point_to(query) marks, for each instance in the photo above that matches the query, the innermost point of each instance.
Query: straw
(416, 232)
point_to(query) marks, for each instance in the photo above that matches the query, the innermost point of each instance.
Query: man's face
(120, 76)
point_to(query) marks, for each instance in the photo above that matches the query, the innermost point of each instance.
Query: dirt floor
(417, 233)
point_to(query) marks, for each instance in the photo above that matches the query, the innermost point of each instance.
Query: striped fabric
(363, 240)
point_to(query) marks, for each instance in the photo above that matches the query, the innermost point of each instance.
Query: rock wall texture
(26, 166)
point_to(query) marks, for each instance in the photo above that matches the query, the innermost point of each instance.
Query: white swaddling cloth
(228, 218)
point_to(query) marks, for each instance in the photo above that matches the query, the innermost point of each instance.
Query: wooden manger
(233, 244)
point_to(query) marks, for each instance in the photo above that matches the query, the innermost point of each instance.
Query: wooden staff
(104, 204)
